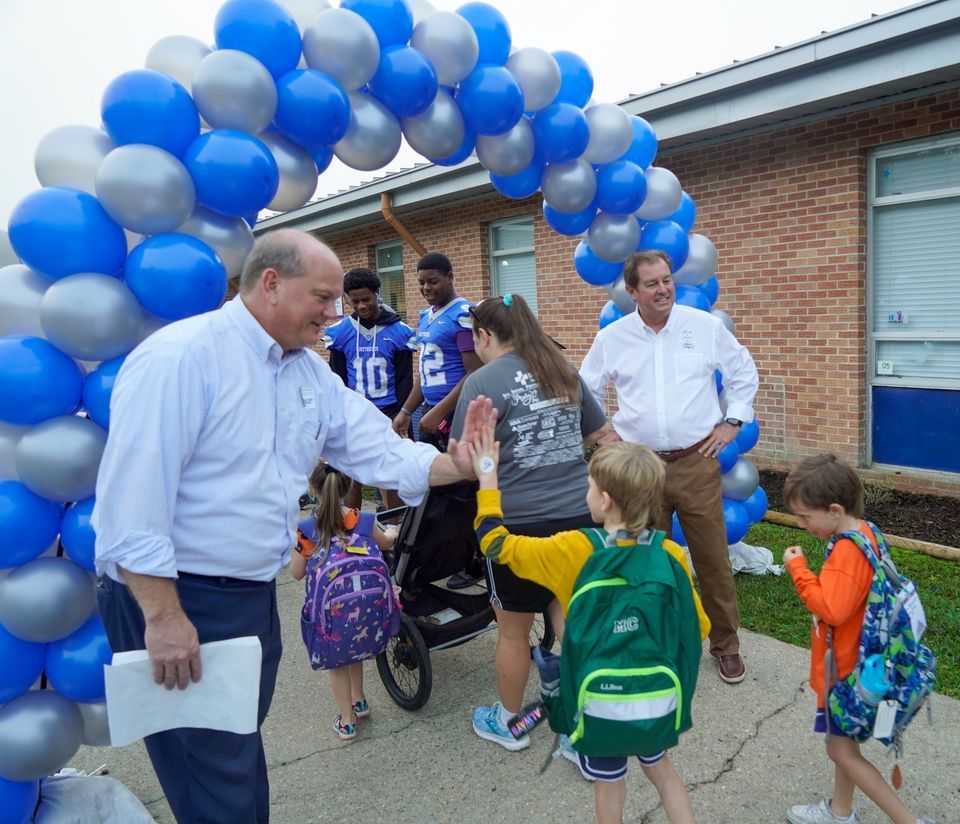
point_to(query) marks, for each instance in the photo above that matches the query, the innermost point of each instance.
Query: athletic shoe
(486, 724)
(571, 754)
(819, 813)
(462, 580)
(345, 732)
(361, 709)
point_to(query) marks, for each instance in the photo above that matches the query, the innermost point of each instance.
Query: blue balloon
(175, 276)
(490, 99)
(736, 519)
(21, 663)
(251, 220)
(561, 131)
(718, 377)
(576, 79)
(60, 232)
(667, 236)
(728, 456)
(524, 183)
(692, 296)
(322, 157)
(313, 110)
(233, 173)
(18, 800)
(261, 28)
(643, 147)
(621, 187)
(28, 524)
(711, 289)
(677, 533)
(748, 436)
(405, 81)
(37, 381)
(391, 20)
(144, 106)
(610, 313)
(466, 149)
(77, 535)
(686, 213)
(756, 505)
(74, 664)
(493, 32)
(97, 389)
(594, 270)
(569, 223)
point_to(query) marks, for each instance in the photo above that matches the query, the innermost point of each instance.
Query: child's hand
(485, 455)
(790, 553)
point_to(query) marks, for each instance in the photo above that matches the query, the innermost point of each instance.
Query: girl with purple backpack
(334, 529)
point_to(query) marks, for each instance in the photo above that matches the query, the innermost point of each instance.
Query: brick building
(826, 173)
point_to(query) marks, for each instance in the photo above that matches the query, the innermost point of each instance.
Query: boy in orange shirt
(826, 496)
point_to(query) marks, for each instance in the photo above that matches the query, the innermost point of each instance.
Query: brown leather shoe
(731, 668)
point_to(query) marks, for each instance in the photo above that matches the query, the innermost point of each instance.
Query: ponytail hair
(510, 319)
(329, 485)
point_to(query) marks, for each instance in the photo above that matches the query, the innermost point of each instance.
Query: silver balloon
(611, 133)
(740, 481)
(7, 255)
(58, 458)
(569, 187)
(663, 194)
(233, 90)
(40, 731)
(91, 317)
(507, 153)
(96, 730)
(437, 132)
(70, 156)
(373, 137)
(701, 261)
(538, 74)
(449, 43)
(421, 10)
(618, 294)
(725, 319)
(231, 238)
(21, 290)
(145, 189)
(298, 173)
(341, 43)
(303, 11)
(614, 237)
(177, 56)
(46, 599)
(9, 435)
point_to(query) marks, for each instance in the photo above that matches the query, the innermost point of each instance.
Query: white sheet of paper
(225, 698)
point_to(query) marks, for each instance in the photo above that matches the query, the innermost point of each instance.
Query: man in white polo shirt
(661, 361)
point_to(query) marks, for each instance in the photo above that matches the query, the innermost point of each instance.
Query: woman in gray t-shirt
(545, 416)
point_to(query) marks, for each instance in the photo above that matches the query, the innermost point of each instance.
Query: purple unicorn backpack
(350, 610)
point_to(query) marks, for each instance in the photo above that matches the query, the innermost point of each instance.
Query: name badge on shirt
(307, 397)
(687, 339)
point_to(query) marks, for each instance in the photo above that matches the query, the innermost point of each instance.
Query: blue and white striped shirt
(213, 434)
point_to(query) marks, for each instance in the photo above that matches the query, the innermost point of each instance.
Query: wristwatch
(733, 421)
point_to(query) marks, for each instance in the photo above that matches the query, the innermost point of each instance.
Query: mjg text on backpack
(631, 651)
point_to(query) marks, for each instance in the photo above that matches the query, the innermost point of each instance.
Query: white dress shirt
(665, 384)
(213, 434)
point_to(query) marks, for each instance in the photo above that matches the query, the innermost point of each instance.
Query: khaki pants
(693, 490)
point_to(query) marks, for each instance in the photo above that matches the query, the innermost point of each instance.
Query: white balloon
(507, 153)
(701, 261)
(234, 90)
(298, 173)
(341, 43)
(421, 9)
(663, 194)
(21, 290)
(177, 56)
(611, 133)
(303, 11)
(58, 458)
(450, 44)
(70, 156)
(538, 74)
(230, 237)
(373, 137)
(437, 132)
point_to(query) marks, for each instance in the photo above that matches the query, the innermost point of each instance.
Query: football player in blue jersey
(372, 352)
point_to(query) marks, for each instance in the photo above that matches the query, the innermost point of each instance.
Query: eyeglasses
(476, 318)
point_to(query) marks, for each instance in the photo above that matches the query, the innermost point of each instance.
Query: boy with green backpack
(635, 625)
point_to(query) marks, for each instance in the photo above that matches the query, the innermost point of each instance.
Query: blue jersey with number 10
(441, 364)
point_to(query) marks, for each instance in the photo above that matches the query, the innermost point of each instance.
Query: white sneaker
(571, 754)
(819, 813)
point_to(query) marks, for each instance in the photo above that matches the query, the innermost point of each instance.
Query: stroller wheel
(404, 667)
(542, 633)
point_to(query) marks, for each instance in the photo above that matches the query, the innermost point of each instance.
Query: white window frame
(496, 254)
(389, 271)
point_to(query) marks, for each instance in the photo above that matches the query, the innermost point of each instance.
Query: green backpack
(631, 651)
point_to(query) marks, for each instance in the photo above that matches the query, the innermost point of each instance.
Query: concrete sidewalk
(749, 755)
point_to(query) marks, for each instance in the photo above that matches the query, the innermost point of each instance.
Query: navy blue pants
(208, 776)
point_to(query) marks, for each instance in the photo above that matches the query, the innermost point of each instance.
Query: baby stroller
(435, 540)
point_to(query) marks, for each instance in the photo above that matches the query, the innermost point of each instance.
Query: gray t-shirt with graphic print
(543, 472)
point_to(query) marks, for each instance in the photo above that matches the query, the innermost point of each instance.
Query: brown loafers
(731, 668)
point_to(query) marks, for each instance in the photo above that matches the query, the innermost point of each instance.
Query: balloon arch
(142, 222)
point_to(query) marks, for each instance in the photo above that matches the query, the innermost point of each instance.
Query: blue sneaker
(486, 724)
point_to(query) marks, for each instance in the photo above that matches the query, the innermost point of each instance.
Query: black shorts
(512, 593)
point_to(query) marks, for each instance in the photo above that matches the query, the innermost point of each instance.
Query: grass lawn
(769, 604)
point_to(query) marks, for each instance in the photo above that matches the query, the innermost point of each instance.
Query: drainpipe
(386, 208)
